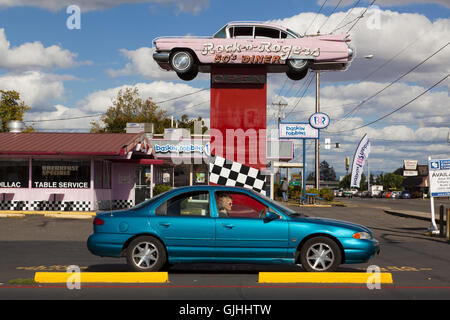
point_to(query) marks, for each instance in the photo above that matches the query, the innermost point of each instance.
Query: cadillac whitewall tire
(182, 62)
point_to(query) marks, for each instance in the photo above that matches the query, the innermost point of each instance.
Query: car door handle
(164, 224)
(228, 226)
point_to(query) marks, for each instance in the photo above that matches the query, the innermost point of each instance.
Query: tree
(391, 181)
(345, 182)
(11, 108)
(187, 123)
(327, 172)
(129, 107)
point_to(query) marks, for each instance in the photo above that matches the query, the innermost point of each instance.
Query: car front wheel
(182, 62)
(320, 254)
(146, 254)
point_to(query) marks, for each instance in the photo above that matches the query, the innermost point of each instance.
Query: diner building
(55, 171)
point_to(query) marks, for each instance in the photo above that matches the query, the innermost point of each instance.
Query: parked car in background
(253, 43)
(387, 194)
(405, 195)
(395, 194)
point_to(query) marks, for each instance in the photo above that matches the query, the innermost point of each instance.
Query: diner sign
(10, 184)
(61, 185)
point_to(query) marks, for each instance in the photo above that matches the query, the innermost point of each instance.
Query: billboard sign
(439, 175)
(297, 130)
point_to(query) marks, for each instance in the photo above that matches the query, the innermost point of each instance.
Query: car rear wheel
(297, 68)
(182, 62)
(320, 254)
(146, 254)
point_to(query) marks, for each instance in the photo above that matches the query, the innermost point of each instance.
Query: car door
(244, 233)
(185, 225)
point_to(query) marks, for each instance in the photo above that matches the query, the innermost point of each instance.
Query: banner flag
(361, 154)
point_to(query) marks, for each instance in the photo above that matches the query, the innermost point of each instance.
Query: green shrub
(160, 188)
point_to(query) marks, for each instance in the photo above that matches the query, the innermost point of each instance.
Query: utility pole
(280, 104)
(317, 144)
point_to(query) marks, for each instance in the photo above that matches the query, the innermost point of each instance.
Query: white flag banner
(361, 154)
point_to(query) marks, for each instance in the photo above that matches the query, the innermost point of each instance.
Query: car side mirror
(271, 216)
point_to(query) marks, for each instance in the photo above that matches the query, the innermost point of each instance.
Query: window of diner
(200, 174)
(65, 174)
(14, 173)
(102, 174)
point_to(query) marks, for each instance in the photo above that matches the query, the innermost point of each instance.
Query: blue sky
(81, 69)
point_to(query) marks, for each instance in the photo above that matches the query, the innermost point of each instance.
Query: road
(418, 263)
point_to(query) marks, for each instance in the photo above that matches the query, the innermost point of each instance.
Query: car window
(186, 204)
(239, 205)
(261, 32)
(243, 32)
(221, 33)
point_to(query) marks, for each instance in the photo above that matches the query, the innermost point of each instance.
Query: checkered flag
(234, 174)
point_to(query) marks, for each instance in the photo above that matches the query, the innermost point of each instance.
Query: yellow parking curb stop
(101, 277)
(325, 277)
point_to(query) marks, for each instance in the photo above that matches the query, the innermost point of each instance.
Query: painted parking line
(102, 277)
(324, 277)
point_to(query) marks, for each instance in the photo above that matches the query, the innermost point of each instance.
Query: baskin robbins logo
(182, 148)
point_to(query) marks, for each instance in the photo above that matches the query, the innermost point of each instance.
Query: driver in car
(224, 204)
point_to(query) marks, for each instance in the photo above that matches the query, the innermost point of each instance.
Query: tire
(320, 254)
(297, 75)
(182, 62)
(188, 76)
(146, 254)
(297, 65)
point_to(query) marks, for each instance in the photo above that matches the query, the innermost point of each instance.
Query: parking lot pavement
(418, 263)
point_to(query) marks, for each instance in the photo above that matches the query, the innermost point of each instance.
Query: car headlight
(362, 236)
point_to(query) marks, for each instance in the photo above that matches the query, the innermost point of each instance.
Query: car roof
(212, 188)
(256, 23)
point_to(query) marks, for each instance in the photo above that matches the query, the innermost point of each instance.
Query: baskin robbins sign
(294, 130)
(188, 148)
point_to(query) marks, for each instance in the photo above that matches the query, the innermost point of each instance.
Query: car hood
(335, 223)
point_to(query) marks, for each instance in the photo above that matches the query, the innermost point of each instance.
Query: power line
(361, 16)
(348, 13)
(326, 20)
(390, 84)
(395, 110)
(315, 17)
(303, 94)
(100, 114)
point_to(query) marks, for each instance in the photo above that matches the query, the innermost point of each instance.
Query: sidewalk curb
(50, 214)
(405, 214)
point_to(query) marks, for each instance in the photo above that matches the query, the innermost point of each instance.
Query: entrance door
(142, 180)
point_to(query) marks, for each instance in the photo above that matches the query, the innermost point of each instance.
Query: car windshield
(277, 205)
(294, 33)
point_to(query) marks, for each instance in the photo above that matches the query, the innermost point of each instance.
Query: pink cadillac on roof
(253, 43)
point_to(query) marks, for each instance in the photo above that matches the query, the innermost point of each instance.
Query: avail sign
(439, 174)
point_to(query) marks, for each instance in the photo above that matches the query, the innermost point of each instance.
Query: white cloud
(394, 32)
(386, 3)
(36, 89)
(193, 6)
(142, 63)
(158, 91)
(33, 55)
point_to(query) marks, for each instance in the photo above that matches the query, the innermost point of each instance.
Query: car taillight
(98, 222)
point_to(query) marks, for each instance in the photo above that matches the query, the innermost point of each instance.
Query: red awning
(56, 143)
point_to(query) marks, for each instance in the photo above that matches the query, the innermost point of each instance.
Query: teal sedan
(218, 224)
